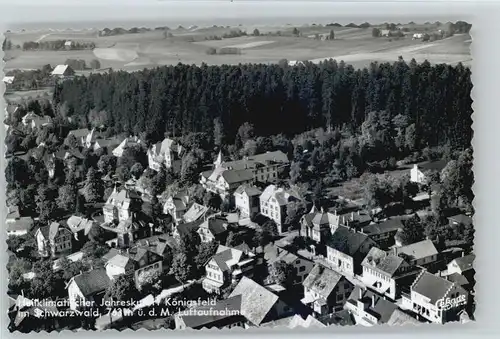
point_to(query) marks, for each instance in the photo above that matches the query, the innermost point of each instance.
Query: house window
(340, 297)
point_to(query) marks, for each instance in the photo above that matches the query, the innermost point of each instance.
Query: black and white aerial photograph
(198, 172)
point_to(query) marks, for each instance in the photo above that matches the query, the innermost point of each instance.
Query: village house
(434, 298)
(87, 288)
(301, 265)
(226, 177)
(84, 137)
(318, 225)
(126, 143)
(325, 291)
(384, 233)
(162, 244)
(246, 200)
(214, 228)
(121, 205)
(227, 265)
(184, 229)
(368, 308)
(196, 212)
(420, 172)
(63, 71)
(346, 249)
(355, 219)
(134, 263)
(422, 253)
(17, 225)
(463, 266)
(53, 240)
(107, 144)
(35, 121)
(20, 226)
(176, 206)
(274, 201)
(127, 232)
(167, 153)
(386, 273)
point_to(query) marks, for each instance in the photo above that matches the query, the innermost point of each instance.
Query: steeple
(313, 209)
(322, 210)
(218, 161)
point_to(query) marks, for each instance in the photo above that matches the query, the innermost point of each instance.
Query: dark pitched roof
(92, 282)
(322, 280)
(234, 176)
(346, 240)
(466, 262)
(320, 219)
(382, 261)
(249, 190)
(437, 165)
(431, 286)
(457, 278)
(198, 321)
(382, 310)
(389, 225)
(187, 227)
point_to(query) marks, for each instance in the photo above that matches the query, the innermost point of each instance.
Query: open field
(355, 46)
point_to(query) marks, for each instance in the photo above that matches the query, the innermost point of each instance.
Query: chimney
(360, 293)
(335, 211)
(352, 216)
(373, 300)
(394, 251)
(358, 213)
(22, 292)
(463, 254)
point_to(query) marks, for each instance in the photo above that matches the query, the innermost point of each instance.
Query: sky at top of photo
(57, 14)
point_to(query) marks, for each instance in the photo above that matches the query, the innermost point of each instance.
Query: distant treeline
(56, 45)
(434, 100)
(232, 34)
(121, 31)
(458, 27)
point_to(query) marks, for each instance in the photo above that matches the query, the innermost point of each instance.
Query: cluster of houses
(352, 270)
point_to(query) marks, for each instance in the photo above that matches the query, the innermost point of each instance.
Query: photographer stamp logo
(449, 303)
